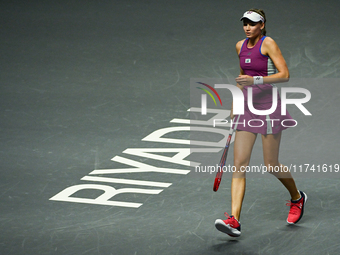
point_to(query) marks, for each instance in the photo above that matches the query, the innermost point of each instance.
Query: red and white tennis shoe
(296, 209)
(230, 226)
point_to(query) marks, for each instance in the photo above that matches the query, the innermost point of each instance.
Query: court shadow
(232, 246)
(224, 245)
(293, 228)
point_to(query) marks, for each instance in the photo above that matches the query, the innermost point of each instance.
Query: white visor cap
(253, 16)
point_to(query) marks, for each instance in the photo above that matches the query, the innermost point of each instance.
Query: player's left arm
(272, 50)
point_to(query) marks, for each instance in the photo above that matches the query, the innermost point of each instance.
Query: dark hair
(261, 12)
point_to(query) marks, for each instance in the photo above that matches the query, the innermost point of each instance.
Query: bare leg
(243, 145)
(271, 145)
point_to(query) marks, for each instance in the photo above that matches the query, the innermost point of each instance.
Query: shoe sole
(303, 208)
(227, 229)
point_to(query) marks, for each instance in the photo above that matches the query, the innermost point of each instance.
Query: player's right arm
(238, 49)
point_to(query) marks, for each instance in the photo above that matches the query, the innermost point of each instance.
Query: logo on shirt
(247, 61)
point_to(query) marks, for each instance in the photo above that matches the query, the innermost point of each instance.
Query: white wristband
(258, 80)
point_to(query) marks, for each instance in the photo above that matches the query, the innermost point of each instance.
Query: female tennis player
(261, 64)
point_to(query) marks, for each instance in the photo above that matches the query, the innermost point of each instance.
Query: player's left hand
(245, 80)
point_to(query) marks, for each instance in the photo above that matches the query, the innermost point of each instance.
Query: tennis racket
(219, 172)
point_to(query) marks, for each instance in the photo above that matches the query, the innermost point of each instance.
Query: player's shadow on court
(232, 246)
(293, 228)
(245, 244)
(224, 245)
